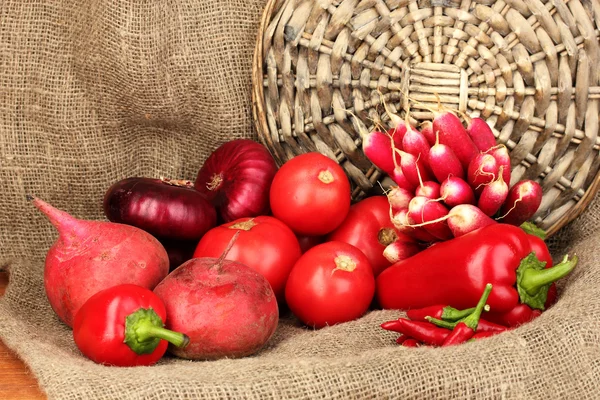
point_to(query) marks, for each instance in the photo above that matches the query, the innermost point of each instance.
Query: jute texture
(95, 91)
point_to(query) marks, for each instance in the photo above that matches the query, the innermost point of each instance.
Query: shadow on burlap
(92, 92)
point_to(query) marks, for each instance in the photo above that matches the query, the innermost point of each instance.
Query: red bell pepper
(123, 326)
(456, 271)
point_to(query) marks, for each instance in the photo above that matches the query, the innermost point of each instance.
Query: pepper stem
(472, 320)
(534, 280)
(454, 314)
(144, 329)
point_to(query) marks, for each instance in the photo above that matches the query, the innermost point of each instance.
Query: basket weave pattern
(529, 67)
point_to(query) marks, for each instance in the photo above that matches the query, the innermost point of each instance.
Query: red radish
(401, 180)
(227, 309)
(465, 218)
(416, 144)
(444, 163)
(405, 225)
(413, 168)
(377, 147)
(236, 178)
(429, 189)
(163, 207)
(424, 211)
(90, 256)
(462, 219)
(493, 195)
(455, 191)
(500, 154)
(523, 200)
(481, 134)
(482, 170)
(401, 250)
(398, 198)
(397, 134)
(427, 131)
(452, 133)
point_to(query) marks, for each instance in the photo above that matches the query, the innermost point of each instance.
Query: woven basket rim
(261, 124)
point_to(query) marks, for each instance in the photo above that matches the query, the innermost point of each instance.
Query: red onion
(237, 178)
(162, 207)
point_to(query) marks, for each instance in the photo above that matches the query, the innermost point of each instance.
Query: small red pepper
(411, 343)
(455, 272)
(465, 328)
(422, 331)
(482, 326)
(439, 311)
(123, 326)
(401, 339)
(519, 315)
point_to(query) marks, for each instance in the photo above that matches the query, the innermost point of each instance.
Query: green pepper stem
(453, 314)
(473, 319)
(441, 323)
(146, 331)
(533, 280)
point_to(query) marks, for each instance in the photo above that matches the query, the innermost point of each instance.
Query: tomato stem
(326, 177)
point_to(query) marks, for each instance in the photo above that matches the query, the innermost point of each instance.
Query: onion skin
(162, 209)
(236, 178)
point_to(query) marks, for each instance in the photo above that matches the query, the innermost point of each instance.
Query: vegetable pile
(203, 270)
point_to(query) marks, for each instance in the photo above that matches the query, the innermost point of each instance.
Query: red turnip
(90, 256)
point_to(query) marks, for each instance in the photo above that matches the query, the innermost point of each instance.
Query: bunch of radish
(451, 179)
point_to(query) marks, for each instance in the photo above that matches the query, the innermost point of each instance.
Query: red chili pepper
(479, 335)
(411, 343)
(123, 326)
(519, 315)
(440, 311)
(455, 272)
(482, 326)
(419, 330)
(465, 328)
(401, 339)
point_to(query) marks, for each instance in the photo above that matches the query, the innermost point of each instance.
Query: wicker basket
(530, 67)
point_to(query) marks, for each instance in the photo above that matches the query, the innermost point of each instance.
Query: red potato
(264, 243)
(90, 256)
(455, 191)
(522, 202)
(481, 134)
(330, 284)
(227, 309)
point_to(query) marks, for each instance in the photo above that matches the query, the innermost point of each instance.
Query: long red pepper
(465, 329)
(482, 326)
(422, 331)
(518, 315)
(411, 343)
(439, 311)
(455, 271)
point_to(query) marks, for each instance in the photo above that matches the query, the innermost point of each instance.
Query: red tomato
(330, 284)
(311, 194)
(265, 244)
(368, 226)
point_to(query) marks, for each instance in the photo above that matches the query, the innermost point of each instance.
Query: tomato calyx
(244, 225)
(387, 236)
(344, 263)
(215, 182)
(326, 176)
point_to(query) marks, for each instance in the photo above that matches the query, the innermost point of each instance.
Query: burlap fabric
(95, 91)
